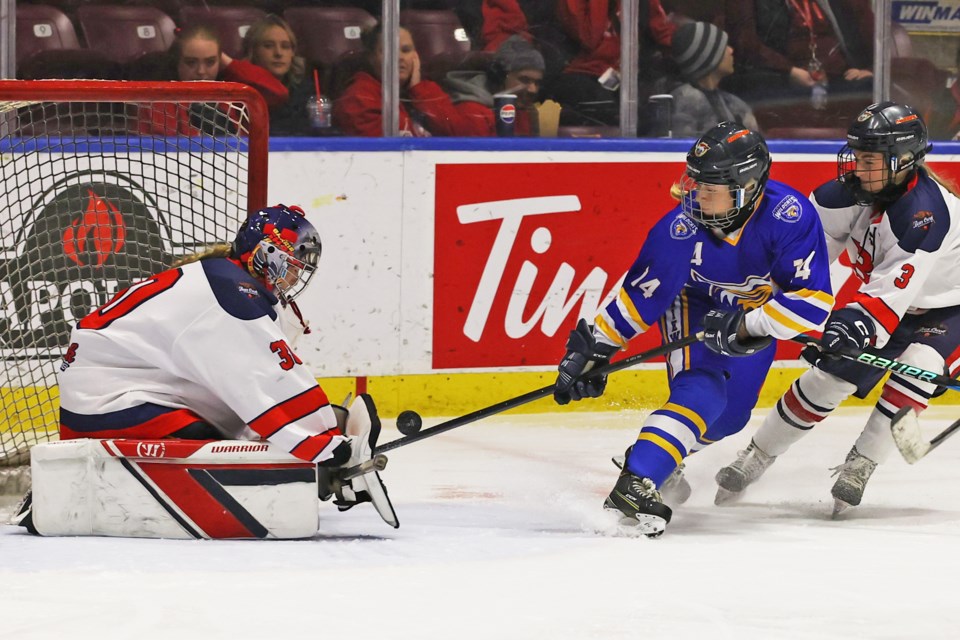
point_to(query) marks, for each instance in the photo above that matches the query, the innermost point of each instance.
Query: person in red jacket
(197, 56)
(425, 110)
(589, 87)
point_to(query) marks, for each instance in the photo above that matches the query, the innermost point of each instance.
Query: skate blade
(726, 497)
(839, 506)
(644, 525)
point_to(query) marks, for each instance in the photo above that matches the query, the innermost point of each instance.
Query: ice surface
(502, 536)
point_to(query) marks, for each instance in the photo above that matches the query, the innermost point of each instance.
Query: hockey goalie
(185, 411)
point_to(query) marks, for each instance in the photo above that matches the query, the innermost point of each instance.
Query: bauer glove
(720, 330)
(583, 354)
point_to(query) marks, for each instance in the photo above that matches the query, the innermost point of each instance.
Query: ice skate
(848, 490)
(742, 472)
(675, 489)
(640, 503)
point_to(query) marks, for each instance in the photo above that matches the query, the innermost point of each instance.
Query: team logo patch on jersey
(248, 290)
(922, 220)
(682, 228)
(701, 148)
(788, 210)
(939, 330)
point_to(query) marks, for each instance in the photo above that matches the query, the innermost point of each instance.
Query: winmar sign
(88, 236)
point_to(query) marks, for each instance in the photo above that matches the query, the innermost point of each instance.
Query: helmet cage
(897, 131)
(741, 197)
(289, 274)
(279, 246)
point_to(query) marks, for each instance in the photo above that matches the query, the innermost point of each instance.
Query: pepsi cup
(505, 113)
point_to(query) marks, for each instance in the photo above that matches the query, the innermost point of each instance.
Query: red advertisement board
(523, 250)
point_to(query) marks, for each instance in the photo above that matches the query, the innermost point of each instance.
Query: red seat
(324, 34)
(436, 33)
(124, 33)
(68, 64)
(43, 28)
(231, 23)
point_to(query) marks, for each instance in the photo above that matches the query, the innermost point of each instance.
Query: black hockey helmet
(895, 130)
(728, 154)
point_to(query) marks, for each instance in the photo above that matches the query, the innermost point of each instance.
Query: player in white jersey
(900, 226)
(197, 352)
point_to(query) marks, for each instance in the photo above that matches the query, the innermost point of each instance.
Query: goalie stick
(900, 368)
(906, 434)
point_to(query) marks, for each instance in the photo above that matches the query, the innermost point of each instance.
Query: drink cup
(505, 113)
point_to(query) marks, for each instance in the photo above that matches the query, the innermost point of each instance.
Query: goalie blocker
(186, 489)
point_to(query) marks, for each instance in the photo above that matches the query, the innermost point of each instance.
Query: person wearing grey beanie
(517, 68)
(704, 57)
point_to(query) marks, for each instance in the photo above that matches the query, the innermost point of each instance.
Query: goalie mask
(280, 247)
(727, 170)
(895, 130)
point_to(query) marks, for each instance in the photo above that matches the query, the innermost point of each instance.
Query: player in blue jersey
(743, 259)
(900, 227)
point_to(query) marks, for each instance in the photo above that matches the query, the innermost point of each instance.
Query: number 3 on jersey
(287, 357)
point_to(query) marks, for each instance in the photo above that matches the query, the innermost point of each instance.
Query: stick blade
(906, 434)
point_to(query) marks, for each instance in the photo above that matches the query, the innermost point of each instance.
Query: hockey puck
(409, 422)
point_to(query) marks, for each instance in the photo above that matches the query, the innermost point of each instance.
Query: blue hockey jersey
(776, 266)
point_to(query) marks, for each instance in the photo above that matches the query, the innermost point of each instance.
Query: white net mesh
(95, 196)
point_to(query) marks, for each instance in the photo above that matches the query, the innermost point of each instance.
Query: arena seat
(68, 64)
(231, 23)
(324, 34)
(43, 28)
(436, 33)
(124, 33)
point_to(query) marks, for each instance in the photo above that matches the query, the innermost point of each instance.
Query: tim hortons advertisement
(523, 250)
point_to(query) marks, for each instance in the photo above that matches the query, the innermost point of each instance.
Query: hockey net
(103, 184)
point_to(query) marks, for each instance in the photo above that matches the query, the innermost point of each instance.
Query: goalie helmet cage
(106, 183)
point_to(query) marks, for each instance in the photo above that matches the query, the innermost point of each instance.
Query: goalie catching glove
(583, 354)
(362, 424)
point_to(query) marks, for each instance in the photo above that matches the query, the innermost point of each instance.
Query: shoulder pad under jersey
(833, 195)
(920, 218)
(238, 293)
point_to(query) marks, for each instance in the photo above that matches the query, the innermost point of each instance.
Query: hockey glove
(720, 334)
(846, 329)
(583, 354)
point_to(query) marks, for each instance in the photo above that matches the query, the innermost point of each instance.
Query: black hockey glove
(846, 329)
(720, 334)
(583, 354)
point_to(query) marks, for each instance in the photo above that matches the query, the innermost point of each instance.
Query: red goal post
(103, 184)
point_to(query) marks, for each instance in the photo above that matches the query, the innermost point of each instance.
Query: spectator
(517, 68)
(425, 110)
(786, 47)
(704, 58)
(589, 87)
(196, 55)
(271, 44)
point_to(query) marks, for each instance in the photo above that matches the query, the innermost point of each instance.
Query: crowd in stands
(771, 65)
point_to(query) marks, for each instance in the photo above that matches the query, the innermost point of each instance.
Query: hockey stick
(885, 363)
(906, 433)
(530, 396)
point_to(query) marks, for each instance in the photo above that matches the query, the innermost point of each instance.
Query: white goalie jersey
(907, 257)
(196, 344)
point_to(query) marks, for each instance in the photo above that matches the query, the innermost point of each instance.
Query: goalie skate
(854, 473)
(363, 425)
(742, 472)
(638, 500)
